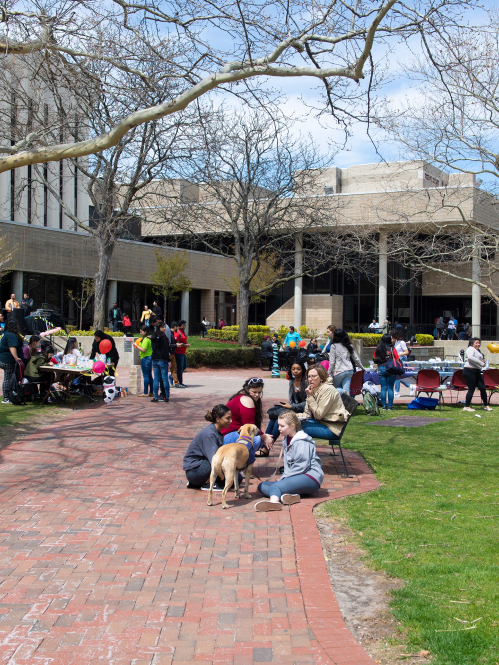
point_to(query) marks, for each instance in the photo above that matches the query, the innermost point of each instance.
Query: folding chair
(428, 381)
(350, 405)
(457, 384)
(491, 380)
(357, 383)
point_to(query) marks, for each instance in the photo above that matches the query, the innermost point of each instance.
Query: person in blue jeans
(325, 413)
(384, 352)
(303, 472)
(160, 359)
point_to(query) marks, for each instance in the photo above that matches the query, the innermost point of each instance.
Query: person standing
(205, 324)
(180, 349)
(402, 350)
(472, 373)
(330, 334)
(160, 359)
(27, 304)
(385, 328)
(440, 326)
(143, 344)
(342, 358)
(452, 328)
(115, 316)
(112, 354)
(12, 303)
(384, 352)
(11, 350)
(127, 325)
(157, 310)
(292, 336)
(221, 324)
(146, 315)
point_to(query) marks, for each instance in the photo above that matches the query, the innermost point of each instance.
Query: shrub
(85, 333)
(425, 340)
(304, 332)
(223, 357)
(369, 339)
(231, 334)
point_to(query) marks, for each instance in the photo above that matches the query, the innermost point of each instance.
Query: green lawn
(197, 343)
(434, 523)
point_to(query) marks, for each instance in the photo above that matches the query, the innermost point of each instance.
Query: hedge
(231, 334)
(425, 340)
(85, 333)
(246, 357)
(369, 339)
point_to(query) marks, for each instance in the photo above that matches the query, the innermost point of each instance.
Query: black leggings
(474, 380)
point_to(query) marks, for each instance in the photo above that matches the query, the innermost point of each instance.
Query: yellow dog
(232, 458)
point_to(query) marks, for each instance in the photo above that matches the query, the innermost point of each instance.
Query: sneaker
(154, 400)
(182, 385)
(290, 499)
(177, 385)
(143, 395)
(396, 394)
(468, 408)
(412, 389)
(170, 379)
(265, 505)
(487, 408)
(163, 399)
(6, 401)
(216, 487)
(150, 395)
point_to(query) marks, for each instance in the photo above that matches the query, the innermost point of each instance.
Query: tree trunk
(105, 250)
(243, 305)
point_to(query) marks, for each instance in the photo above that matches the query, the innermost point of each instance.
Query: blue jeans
(342, 382)
(397, 385)
(273, 428)
(181, 359)
(146, 367)
(300, 484)
(115, 325)
(387, 382)
(232, 437)
(161, 372)
(317, 430)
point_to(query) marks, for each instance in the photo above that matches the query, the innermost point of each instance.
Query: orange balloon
(292, 345)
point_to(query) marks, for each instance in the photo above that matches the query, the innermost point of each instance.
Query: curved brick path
(106, 557)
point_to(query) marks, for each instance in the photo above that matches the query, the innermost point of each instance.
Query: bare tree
(259, 196)
(183, 50)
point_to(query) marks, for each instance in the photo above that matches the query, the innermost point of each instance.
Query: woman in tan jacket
(325, 415)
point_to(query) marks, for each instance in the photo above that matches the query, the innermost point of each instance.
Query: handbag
(275, 411)
(394, 366)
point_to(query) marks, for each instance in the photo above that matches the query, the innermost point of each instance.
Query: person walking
(115, 316)
(384, 352)
(472, 373)
(127, 325)
(439, 325)
(156, 309)
(342, 359)
(146, 315)
(452, 328)
(143, 344)
(180, 349)
(160, 359)
(11, 350)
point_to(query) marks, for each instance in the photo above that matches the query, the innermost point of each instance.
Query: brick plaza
(107, 557)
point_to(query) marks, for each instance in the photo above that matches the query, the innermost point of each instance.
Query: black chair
(350, 405)
(266, 360)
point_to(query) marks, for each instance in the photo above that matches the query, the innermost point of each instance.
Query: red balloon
(302, 343)
(105, 346)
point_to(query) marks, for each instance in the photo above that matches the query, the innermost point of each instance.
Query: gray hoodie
(300, 456)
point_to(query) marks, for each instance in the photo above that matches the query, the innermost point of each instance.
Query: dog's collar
(248, 438)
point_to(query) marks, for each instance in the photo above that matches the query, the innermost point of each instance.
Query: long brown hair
(258, 405)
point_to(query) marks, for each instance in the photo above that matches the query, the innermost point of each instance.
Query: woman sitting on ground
(296, 400)
(325, 414)
(32, 348)
(472, 373)
(303, 472)
(197, 460)
(384, 352)
(342, 357)
(246, 409)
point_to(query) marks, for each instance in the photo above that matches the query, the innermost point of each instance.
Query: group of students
(314, 409)
(163, 360)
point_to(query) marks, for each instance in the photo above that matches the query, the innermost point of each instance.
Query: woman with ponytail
(197, 460)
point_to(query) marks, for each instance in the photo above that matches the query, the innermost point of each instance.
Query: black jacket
(160, 348)
(157, 311)
(112, 354)
(118, 311)
(266, 350)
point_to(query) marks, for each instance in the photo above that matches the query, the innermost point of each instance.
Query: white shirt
(452, 324)
(374, 325)
(401, 346)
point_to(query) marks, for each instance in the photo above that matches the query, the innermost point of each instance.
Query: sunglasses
(255, 382)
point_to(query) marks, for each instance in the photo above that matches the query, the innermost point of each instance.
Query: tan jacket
(325, 405)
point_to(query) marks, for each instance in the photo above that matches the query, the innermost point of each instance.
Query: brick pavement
(107, 558)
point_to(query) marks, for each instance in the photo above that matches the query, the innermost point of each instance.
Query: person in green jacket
(143, 344)
(33, 372)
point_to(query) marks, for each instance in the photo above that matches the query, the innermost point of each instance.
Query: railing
(488, 332)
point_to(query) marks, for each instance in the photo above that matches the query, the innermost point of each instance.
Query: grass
(434, 523)
(197, 343)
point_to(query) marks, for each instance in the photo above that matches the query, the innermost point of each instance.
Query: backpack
(371, 400)
(17, 392)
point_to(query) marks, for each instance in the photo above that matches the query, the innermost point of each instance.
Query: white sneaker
(412, 389)
(6, 401)
(265, 505)
(290, 499)
(396, 394)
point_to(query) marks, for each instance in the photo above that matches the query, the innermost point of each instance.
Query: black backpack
(17, 392)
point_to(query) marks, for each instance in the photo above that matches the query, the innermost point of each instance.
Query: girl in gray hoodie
(303, 472)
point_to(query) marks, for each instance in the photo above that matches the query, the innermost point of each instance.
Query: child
(303, 472)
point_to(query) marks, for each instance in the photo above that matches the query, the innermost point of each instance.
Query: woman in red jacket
(246, 409)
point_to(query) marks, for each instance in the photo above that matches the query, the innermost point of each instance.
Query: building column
(383, 278)
(476, 299)
(184, 309)
(298, 281)
(17, 284)
(112, 295)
